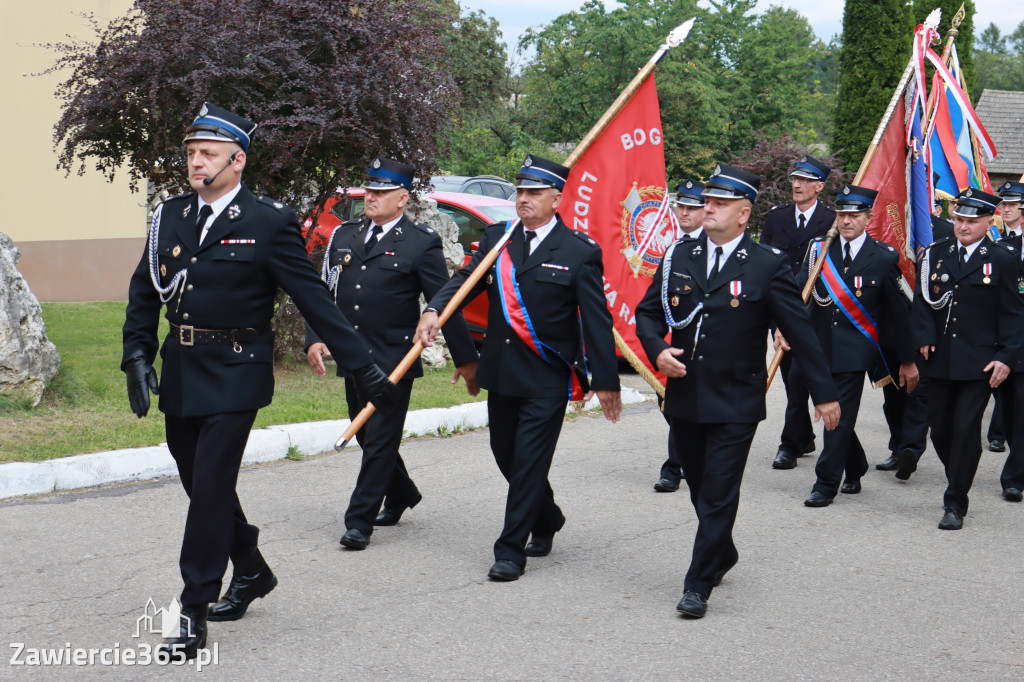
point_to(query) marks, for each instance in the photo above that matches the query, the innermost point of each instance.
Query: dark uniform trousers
(852, 355)
(524, 433)
(714, 410)
(781, 231)
(379, 292)
(1012, 400)
(672, 469)
(983, 321)
(208, 451)
(382, 469)
(210, 392)
(526, 395)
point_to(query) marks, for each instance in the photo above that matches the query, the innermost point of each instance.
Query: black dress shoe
(355, 539)
(666, 485)
(887, 464)
(807, 447)
(505, 571)
(816, 499)
(539, 545)
(692, 605)
(251, 579)
(1012, 495)
(191, 635)
(951, 520)
(996, 446)
(784, 459)
(906, 464)
(850, 487)
(389, 516)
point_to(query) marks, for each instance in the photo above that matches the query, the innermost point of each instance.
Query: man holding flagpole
(547, 302)
(718, 295)
(859, 308)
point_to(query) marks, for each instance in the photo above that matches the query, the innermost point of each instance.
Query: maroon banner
(887, 173)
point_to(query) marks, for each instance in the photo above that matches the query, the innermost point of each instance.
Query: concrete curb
(18, 479)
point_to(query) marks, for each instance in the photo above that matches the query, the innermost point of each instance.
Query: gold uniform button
(185, 316)
(188, 288)
(193, 260)
(362, 267)
(356, 327)
(507, 341)
(355, 307)
(359, 286)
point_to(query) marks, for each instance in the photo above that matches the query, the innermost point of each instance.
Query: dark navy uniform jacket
(847, 349)
(726, 377)
(563, 274)
(252, 248)
(780, 230)
(379, 292)
(983, 321)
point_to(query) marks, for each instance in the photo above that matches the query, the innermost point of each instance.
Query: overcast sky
(825, 16)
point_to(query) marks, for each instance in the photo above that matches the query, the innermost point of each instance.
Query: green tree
(476, 57)
(1000, 60)
(876, 47)
(965, 38)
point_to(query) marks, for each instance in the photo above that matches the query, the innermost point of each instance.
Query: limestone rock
(28, 360)
(424, 210)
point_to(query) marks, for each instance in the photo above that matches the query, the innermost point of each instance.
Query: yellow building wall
(80, 236)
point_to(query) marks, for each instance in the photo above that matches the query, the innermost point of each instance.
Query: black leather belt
(188, 335)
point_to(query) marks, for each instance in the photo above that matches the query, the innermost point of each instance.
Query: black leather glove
(373, 386)
(141, 380)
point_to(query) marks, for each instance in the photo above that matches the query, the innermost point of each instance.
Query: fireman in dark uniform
(968, 322)
(718, 295)
(216, 258)
(546, 303)
(377, 267)
(858, 307)
(791, 228)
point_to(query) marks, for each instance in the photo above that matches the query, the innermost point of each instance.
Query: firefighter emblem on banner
(646, 229)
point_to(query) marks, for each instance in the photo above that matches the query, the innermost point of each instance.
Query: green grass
(85, 409)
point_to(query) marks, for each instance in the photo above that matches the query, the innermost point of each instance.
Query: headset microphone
(209, 181)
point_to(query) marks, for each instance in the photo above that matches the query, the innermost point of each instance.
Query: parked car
(484, 185)
(471, 212)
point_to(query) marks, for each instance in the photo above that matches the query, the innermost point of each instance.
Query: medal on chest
(735, 288)
(858, 282)
(986, 269)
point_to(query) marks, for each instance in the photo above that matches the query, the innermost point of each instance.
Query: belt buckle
(191, 335)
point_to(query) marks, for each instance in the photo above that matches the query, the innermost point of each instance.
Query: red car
(471, 212)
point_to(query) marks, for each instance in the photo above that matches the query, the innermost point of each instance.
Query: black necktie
(530, 235)
(847, 261)
(963, 255)
(204, 214)
(715, 267)
(803, 221)
(374, 238)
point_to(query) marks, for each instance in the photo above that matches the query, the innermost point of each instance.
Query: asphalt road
(868, 588)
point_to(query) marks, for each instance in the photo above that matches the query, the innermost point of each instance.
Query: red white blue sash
(853, 309)
(514, 309)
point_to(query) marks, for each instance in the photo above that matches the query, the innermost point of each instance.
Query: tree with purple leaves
(330, 83)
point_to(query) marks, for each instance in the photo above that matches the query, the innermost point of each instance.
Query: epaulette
(775, 208)
(425, 228)
(1008, 247)
(774, 250)
(937, 241)
(889, 246)
(583, 237)
(271, 202)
